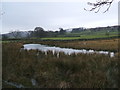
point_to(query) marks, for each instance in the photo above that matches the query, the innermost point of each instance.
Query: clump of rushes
(67, 71)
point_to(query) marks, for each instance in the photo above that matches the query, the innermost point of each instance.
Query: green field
(86, 34)
(81, 37)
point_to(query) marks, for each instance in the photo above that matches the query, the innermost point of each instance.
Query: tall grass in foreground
(74, 71)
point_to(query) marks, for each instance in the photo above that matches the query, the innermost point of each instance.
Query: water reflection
(67, 51)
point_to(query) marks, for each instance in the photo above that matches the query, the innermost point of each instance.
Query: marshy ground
(68, 71)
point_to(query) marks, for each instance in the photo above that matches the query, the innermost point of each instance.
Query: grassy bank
(74, 71)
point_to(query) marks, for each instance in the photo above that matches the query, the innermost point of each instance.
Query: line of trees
(39, 32)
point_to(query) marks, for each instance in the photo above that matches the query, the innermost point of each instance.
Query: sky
(52, 15)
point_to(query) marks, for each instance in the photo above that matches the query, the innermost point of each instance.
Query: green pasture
(81, 37)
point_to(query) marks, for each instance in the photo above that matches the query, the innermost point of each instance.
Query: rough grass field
(107, 44)
(74, 71)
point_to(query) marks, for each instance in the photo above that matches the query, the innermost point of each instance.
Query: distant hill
(70, 32)
(21, 34)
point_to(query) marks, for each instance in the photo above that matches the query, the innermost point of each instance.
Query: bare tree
(29, 34)
(4, 37)
(100, 3)
(16, 34)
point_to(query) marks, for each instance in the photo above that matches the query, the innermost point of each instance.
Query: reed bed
(67, 71)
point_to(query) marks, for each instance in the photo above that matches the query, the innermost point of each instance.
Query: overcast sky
(53, 15)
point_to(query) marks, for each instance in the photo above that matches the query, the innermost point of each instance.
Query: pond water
(14, 84)
(67, 51)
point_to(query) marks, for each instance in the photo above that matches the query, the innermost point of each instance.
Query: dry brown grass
(74, 71)
(110, 45)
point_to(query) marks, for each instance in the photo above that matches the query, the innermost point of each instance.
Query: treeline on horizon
(39, 32)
